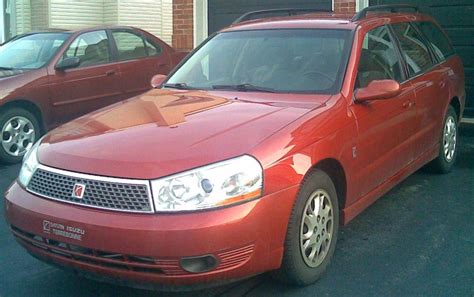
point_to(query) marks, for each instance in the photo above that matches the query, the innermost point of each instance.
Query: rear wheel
(312, 231)
(19, 131)
(448, 144)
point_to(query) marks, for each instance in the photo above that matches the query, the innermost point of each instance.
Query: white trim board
(200, 21)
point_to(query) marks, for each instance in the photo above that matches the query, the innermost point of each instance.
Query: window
(129, 45)
(416, 53)
(31, 51)
(378, 59)
(439, 42)
(153, 49)
(283, 60)
(91, 47)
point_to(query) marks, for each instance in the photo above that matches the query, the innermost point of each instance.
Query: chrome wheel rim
(449, 138)
(18, 136)
(316, 230)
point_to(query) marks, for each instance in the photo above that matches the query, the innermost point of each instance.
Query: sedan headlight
(30, 163)
(211, 186)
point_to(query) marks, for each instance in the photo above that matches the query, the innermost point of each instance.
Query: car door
(92, 84)
(139, 60)
(385, 127)
(431, 84)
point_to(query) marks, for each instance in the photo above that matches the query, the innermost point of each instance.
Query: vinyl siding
(73, 14)
(39, 14)
(23, 16)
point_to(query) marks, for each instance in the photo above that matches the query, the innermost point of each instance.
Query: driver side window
(91, 47)
(378, 59)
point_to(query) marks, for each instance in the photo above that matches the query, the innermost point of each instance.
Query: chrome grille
(100, 192)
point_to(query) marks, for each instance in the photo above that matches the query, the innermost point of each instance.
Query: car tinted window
(91, 47)
(378, 59)
(414, 50)
(153, 49)
(129, 45)
(283, 60)
(438, 40)
(31, 51)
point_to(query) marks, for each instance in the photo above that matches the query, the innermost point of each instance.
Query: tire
(19, 131)
(297, 267)
(449, 137)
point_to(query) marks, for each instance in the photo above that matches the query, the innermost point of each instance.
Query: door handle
(110, 73)
(408, 104)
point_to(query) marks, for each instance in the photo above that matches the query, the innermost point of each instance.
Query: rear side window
(129, 45)
(439, 42)
(378, 59)
(414, 50)
(153, 49)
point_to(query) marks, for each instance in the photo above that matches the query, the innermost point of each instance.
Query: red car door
(91, 85)
(386, 127)
(431, 82)
(140, 58)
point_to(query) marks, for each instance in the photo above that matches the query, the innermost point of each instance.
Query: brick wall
(183, 25)
(347, 7)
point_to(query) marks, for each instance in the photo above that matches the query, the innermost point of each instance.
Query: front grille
(228, 259)
(105, 193)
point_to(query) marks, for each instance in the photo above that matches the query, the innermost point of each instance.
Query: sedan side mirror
(378, 90)
(157, 80)
(71, 62)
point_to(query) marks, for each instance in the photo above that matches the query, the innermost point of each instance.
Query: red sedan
(48, 78)
(248, 157)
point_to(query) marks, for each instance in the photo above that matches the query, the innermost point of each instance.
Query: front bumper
(246, 239)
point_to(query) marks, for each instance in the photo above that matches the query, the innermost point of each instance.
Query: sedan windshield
(31, 51)
(281, 61)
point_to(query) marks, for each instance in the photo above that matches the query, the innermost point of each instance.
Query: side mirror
(378, 90)
(157, 80)
(68, 63)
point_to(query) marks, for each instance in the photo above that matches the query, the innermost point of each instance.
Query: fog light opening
(199, 264)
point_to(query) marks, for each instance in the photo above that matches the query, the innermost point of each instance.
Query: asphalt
(417, 240)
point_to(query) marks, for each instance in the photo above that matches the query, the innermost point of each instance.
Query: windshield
(31, 51)
(286, 61)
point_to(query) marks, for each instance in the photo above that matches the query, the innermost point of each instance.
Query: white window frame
(200, 15)
(2, 22)
(361, 4)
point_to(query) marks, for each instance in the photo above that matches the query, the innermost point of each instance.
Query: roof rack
(390, 8)
(290, 11)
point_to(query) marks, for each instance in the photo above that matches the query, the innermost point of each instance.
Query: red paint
(63, 95)
(377, 143)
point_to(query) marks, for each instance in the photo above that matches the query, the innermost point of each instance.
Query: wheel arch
(336, 172)
(29, 106)
(456, 104)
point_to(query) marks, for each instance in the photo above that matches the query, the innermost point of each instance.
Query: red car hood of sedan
(166, 131)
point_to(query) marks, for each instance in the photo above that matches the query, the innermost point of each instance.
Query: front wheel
(448, 144)
(312, 231)
(19, 131)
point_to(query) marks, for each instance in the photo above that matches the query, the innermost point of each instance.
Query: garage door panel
(222, 13)
(461, 36)
(454, 16)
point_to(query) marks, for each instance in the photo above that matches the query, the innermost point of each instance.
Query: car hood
(166, 131)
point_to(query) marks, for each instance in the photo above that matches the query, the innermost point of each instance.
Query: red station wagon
(249, 156)
(50, 77)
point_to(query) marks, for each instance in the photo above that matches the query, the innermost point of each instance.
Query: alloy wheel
(316, 230)
(449, 138)
(18, 136)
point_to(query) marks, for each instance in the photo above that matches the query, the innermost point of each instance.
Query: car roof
(326, 21)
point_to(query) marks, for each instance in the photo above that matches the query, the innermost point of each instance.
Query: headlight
(215, 185)
(30, 163)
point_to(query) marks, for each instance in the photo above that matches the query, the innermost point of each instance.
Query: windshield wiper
(244, 88)
(6, 68)
(179, 86)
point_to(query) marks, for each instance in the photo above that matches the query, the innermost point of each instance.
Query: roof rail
(390, 8)
(290, 11)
